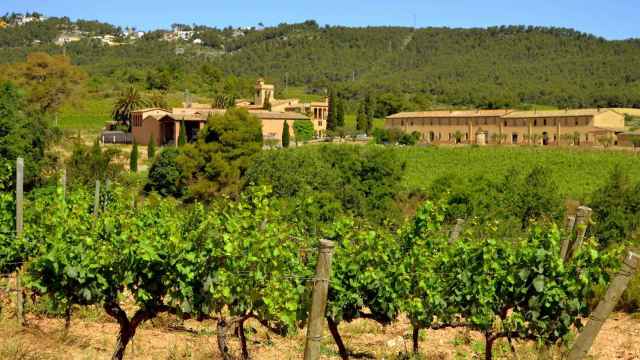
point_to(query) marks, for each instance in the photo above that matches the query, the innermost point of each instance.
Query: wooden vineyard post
(96, 201)
(569, 226)
(585, 340)
(319, 301)
(455, 233)
(19, 234)
(63, 183)
(583, 218)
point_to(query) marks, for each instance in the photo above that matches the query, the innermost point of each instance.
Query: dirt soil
(92, 335)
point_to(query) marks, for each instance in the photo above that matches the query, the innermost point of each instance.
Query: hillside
(514, 66)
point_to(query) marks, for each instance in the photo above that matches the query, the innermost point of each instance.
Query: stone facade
(580, 127)
(164, 125)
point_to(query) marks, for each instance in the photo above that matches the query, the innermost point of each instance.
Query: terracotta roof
(448, 113)
(556, 113)
(202, 115)
(630, 111)
(151, 109)
(273, 115)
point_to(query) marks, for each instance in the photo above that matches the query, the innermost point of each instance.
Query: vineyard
(233, 262)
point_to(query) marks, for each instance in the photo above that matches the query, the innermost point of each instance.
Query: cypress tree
(339, 112)
(133, 159)
(267, 100)
(361, 119)
(369, 112)
(285, 135)
(182, 137)
(151, 147)
(331, 116)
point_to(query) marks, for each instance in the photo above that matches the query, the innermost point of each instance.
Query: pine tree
(182, 137)
(361, 119)
(331, 116)
(339, 112)
(133, 159)
(285, 135)
(151, 147)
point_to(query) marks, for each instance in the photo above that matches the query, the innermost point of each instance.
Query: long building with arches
(551, 127)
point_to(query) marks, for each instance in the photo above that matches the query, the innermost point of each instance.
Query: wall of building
(609, 119)
(142, 134)
(272, 129)
(443, 129)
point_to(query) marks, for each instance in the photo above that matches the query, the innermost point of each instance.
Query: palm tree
(129, 101)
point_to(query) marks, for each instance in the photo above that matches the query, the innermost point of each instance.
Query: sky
(611, 19)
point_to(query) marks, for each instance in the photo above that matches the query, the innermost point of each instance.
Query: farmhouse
(164, 125)
(578, 126)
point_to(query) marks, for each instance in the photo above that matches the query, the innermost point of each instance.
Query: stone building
(554, 127)
(164, 126)
(316, 111)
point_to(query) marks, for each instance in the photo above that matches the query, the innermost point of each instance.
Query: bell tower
(262, 91)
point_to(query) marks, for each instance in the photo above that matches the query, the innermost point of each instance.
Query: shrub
(616, 209)
(303, 130)
(90, 163)
(216, 163)
(165, 176)
(362, 180)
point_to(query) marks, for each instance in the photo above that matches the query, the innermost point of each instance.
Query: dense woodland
(404, 68)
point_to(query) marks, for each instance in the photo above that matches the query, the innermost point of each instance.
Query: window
(535, 122)
(320, 123)
(545, 122)
(505, 123)
(401, 122)
(577, 122)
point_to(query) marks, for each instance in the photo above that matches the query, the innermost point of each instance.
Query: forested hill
(406, 68)
(485, 67)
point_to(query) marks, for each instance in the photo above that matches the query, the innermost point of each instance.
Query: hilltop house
(578, 126)
(69, 37)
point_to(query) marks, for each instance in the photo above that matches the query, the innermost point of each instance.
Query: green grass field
(92, 111)
(578, 172)
(89, 113)
(299, 93)
(350, 122)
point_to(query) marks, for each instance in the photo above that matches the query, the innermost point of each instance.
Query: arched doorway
(514, 138)
(481, 138)
(432, 136)
(545, 138)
